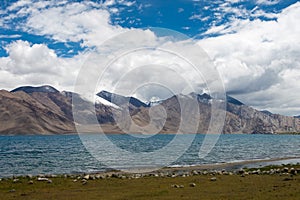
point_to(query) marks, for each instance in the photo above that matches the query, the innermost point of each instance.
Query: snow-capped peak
(105, 102)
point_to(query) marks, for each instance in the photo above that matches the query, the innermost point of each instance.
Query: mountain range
(45, 110)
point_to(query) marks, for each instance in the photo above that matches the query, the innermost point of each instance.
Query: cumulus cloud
(135, 60)
(85, 22)
(36, 64)
(255, 60)
(258, 60)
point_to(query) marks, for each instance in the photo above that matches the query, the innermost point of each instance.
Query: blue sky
(192, 18)
(254, 44)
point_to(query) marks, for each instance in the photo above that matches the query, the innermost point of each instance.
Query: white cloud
(24, 57)
(18, 4)
(180, 10)
(257, 58)
(109, 2)
(198, 17)
(261, 13)
(36, 64)
(86, 22)
(144, 60)
(267, 2)
(92, 26)
(10, 36)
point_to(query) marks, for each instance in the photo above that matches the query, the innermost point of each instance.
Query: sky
(253, 44)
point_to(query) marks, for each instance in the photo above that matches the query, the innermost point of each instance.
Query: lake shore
(269, 182)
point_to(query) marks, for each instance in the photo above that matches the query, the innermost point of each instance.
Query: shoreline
(241, 164)
(232, 167)
(276, 182)
(273, 182)
(114, 132)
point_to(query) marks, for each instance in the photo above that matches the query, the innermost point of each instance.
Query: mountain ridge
(45, 110)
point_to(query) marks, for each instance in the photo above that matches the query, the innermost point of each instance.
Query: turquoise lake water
(66, 154)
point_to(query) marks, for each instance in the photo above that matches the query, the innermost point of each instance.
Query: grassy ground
(225, 187)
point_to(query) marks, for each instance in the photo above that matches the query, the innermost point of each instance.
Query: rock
(116, 175)
(213, 179)
(177, 186)
(255, 172)
(86, 177)
(285, 170)
(161, 174)
(293, 171)
(12, 190)
(241, 171)
(137, 176)
(194, 172)
(44, 179)
(29, 176)
(192, 184)
(75, 180)
(98, 176)
(30, 182)
(84, 182)
(213, 173)
(16, 180)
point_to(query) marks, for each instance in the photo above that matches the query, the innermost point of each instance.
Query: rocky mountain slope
(45, 110)
(22, 113)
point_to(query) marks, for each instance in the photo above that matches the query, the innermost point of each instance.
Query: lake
(68, 154)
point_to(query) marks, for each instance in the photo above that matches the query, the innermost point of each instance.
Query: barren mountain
(45, 110)
(21, 113)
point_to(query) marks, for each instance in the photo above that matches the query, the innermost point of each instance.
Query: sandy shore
(230, 166)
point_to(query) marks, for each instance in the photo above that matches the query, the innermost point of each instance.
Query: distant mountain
(154, 103)
(121, 100)
(45, 110)
(21, 113)
(267, 112)
(30, 89)
(233, 100)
